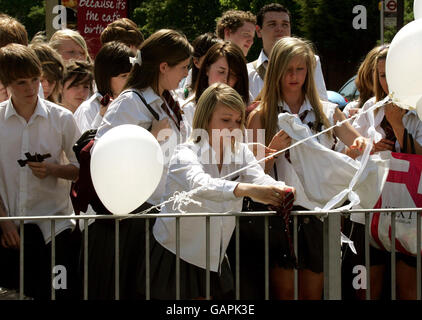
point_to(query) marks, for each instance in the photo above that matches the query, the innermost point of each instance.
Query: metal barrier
(332, 249)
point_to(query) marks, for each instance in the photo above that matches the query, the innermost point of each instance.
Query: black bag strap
(150, 109)
(412, 142)
(275, 172)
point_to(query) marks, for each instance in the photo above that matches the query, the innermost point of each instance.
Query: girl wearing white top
(401, 131)
(225, 63)
(111, 69)
(159, 66)
(194, 164)
(289, 86)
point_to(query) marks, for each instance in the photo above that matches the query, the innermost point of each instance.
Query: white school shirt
(88, 116)
(410, 120)
(256, 83)
(328, 109)
(188, 170)
(128, 108)
(51, 129)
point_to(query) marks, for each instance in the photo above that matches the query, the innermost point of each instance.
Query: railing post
(332, 257)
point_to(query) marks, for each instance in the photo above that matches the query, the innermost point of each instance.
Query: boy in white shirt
(39, 186)
(273, 22)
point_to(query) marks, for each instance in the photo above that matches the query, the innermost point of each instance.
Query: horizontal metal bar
(203, 214)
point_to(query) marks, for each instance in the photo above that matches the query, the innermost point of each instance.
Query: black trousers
(37, 265)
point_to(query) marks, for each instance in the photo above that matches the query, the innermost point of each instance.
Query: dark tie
(174, 106)
(388, 129)
(302, 118)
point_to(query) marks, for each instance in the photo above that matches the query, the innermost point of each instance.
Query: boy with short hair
(273, 22)
(41, 185)
(239, 27)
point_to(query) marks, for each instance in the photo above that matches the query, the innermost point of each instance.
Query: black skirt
(101, 257)
(192, 278)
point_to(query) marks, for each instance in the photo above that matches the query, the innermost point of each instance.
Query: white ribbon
(137, 59)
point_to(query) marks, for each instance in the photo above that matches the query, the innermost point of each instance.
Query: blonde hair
(67, 34)
(282, 53)
(53, 67)
(365, 77)
(378, 90)
(214, 94)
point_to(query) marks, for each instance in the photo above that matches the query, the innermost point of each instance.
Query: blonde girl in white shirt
(289, 86)
(203, 161)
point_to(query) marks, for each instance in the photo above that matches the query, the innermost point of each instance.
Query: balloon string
(184, 198)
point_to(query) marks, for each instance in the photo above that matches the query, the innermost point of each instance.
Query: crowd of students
(198, 102)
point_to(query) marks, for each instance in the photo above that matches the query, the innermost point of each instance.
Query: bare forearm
(67, 171)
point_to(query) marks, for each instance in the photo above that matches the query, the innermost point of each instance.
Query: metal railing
(332, 248)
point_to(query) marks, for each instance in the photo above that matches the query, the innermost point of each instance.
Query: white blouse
(410, 120)
(87, 116)
(128, 108)
(188, 170)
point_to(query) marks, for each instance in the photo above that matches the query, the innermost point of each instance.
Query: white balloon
(126, 167)
(404, 65)
(419, 108)
(417, 9)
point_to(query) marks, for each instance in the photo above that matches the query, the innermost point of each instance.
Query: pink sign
(94, 16)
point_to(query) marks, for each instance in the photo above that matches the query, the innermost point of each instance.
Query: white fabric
(128, 108)
(87, 116)
(410, 120)
(319, 174)
(51, 129)
(350, 105)
(188, 171)
(327, 107)
(256, 83)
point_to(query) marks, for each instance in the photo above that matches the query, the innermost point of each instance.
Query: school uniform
(413, 125)
(51, 129)
(88, 116)
(309, 168)
(410, 120)
(128, 108)
(256, 82)
(193, 165)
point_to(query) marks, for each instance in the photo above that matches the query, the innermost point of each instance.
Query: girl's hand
(394, 115)
(261, 151)
(383, 145)
(359, 144)
(271, 195)
(161, 129)
(280, 141)
(353, 111)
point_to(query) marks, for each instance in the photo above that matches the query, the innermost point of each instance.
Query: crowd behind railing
(58, 102)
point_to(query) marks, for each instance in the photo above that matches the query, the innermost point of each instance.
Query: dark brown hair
(237, 65)
(80, 72)
(165, 45)
(123, 30)
(18, 62)
(12, 31)
(111, 60)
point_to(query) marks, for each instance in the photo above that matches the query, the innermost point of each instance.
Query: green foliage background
(327, 23)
